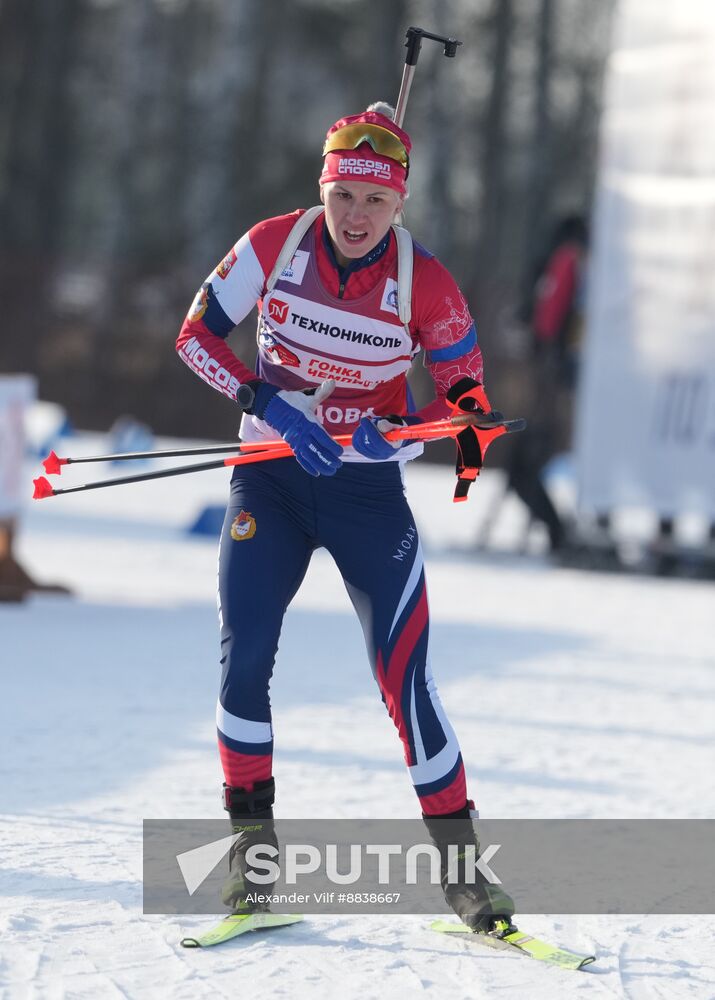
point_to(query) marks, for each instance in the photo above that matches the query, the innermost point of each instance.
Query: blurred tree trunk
(440, 211)
(390, 56)
(183, 27)
(37, 45)
(495, 182)
(36, 52)
(118, 251)
(133, 59)
(248, 119)
(537, 187)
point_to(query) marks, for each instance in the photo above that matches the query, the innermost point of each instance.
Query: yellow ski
(240, 923)
(515, 940)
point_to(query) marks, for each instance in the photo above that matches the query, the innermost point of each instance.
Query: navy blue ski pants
(276, 517)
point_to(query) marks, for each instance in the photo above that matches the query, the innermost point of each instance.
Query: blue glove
(292, 414)
(368, 439)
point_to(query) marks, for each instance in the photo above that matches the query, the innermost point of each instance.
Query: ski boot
(252, 819)
(482, 906)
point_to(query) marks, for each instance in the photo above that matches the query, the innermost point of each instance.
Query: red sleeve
(555, 293)
(444, 327)
(229, 294)
(267, 238)
(211, 359)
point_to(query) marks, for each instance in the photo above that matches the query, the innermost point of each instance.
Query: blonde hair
(382, 108)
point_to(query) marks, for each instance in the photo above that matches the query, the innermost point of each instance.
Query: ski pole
(413, 45)
(53, 463)
(489, 424)
(269, 451)
(435, 429)
(44, 488)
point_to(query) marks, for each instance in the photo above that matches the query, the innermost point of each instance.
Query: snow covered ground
(573, 694)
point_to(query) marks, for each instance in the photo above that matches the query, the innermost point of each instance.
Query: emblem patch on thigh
(243, 527)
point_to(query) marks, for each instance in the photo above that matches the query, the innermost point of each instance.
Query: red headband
(363, 163)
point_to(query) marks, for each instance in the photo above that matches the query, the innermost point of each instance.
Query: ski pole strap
(470, 459)
(468, 396)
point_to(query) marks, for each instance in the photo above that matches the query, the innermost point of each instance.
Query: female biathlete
(346, 300)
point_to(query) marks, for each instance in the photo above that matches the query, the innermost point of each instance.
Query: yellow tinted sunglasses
(383, 142)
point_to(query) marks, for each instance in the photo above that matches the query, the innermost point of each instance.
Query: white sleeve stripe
(239, 291)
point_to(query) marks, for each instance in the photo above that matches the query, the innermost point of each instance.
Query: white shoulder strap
(292, 243)
(405, 265)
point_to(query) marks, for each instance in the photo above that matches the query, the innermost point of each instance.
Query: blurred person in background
(15, 583)
(333, 354)
(553, 315)
(16, 394)
(556, 313)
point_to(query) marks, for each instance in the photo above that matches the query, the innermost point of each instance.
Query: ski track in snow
(584, 695)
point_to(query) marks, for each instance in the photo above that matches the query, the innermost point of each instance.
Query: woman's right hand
(292, 414)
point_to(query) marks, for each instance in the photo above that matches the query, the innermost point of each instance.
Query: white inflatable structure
(646, 421)
(16, 394)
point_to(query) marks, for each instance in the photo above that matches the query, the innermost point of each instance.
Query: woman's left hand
(368, 437)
